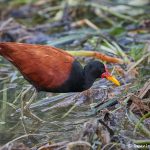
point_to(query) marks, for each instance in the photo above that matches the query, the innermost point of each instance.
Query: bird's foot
(28, 113)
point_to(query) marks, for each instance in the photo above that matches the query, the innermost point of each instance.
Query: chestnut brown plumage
(52, 69)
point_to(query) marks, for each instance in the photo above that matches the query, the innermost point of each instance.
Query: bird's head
(98, 70)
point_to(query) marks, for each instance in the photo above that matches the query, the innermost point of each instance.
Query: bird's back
(43, 66)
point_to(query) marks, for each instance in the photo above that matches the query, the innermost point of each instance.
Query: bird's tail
(5, 50)
(3, 47)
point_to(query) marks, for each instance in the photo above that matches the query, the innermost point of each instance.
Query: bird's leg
(27, 106)
(25, 109)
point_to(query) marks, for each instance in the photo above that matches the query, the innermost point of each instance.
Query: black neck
(88, 80)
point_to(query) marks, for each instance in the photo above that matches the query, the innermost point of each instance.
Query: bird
(52, 69)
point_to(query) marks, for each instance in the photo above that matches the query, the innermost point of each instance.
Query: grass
(106, 31)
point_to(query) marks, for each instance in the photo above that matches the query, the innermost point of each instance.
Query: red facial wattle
(109, 77)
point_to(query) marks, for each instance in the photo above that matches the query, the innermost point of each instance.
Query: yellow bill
(113, 79)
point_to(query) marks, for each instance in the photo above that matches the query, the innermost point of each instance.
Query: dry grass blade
(121, 52)
(109, 10)
(97, 55)
(79, 145)
(3, 25)
(47, 101)
(138, 62)
(4, 105)
(135, 121)
(67, 113)
(21, 137)
(114, 48)
(145, 143)
(142, 119)
(84, 21)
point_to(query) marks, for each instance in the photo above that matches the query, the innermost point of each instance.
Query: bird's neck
(88, 81)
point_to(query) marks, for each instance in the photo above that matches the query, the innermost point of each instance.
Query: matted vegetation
(104, 117)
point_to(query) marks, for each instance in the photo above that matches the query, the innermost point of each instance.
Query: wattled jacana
(52, 69)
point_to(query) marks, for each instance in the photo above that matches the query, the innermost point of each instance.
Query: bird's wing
(43, 66)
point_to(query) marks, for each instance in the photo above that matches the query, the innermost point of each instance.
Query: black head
(94, 69)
